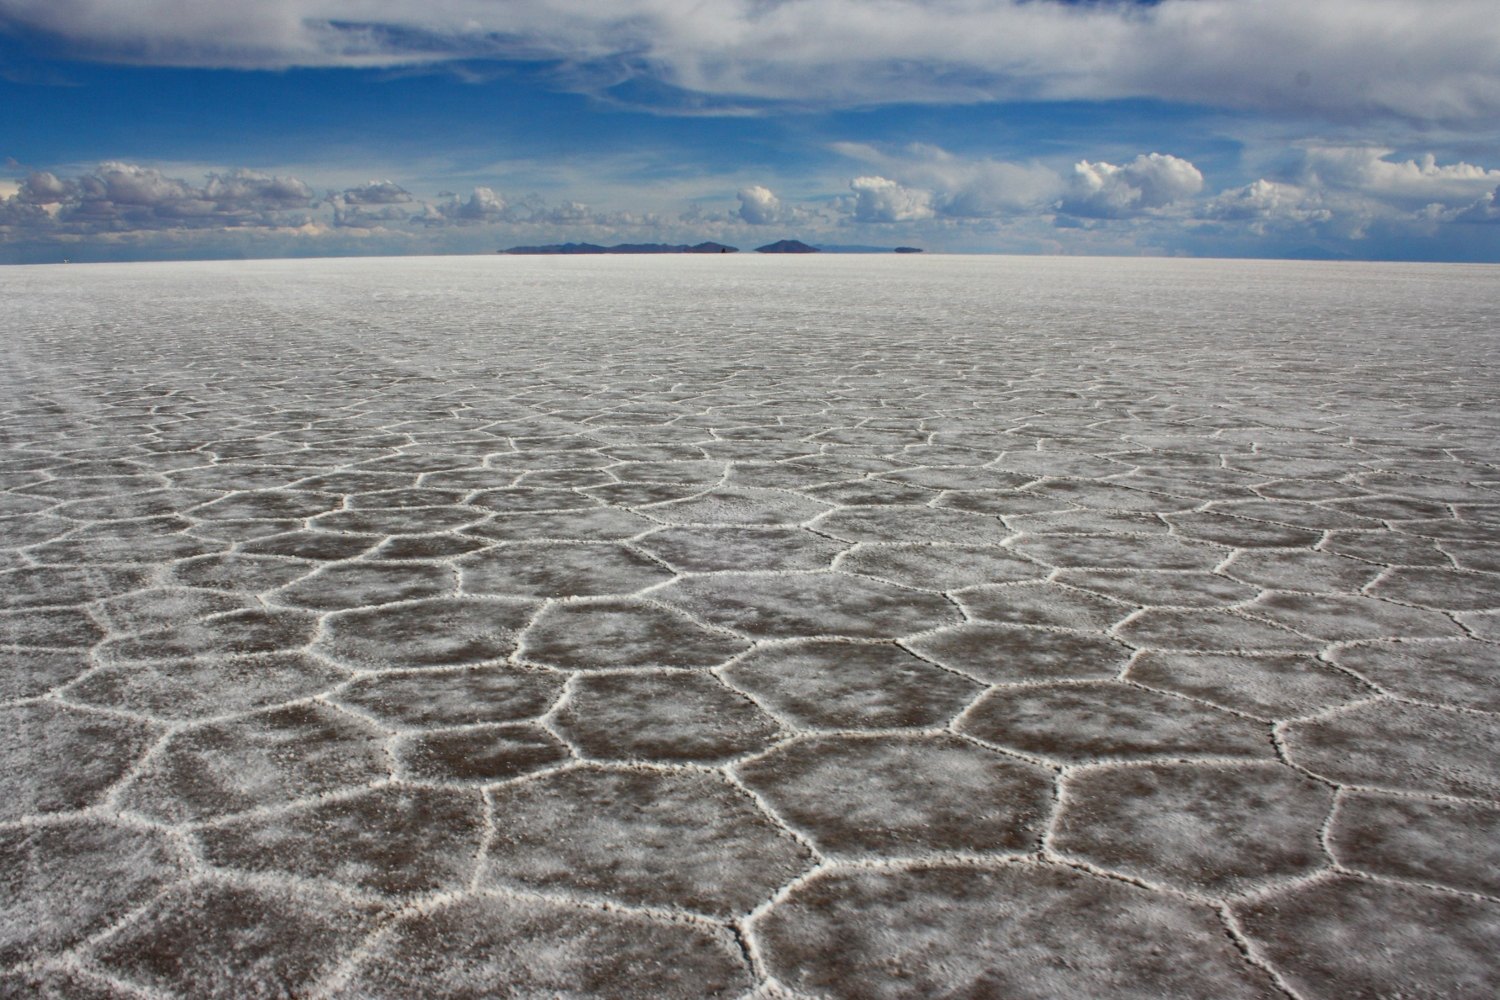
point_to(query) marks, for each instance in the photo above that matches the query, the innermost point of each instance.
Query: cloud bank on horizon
(1279, 127)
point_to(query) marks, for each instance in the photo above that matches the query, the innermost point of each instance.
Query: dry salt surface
(844, 627)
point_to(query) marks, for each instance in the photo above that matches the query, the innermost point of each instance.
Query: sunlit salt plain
(675, 627)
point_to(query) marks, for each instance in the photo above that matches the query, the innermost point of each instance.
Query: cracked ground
(754, 628)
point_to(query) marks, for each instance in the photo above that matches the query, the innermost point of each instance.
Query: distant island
(862, 248)
(787, 246)
(780, 246)
(584, 248)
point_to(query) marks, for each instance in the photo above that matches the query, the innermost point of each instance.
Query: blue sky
(1267, 128)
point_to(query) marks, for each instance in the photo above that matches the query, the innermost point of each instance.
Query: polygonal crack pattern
(221, 939)
(339, 658)
(392, 839)
(927, 930)
(659, 716)
(903, 795)
(1200, 827)
(1351, 937)
(65, 881)
(665, 839)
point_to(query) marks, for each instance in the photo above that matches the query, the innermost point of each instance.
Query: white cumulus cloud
(1484, 209)
(122, 196)
(1371, 171)
(1267, 201)
(880, 199)
(759, 206)
(481, 205)
(963, 187)
(371, 205)
(1350, 189)
(1150, 182)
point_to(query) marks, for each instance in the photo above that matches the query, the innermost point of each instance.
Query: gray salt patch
(442, 698)
(1302, 515)
(1239, 532)
(808, 604)
(1210, 631)
(685, 840)
(1043, 604)
(604, 524)
(398, 521)
(1207, 828)
(674, 716)
(1463, 673)
(257, 760)
(903, 795)
(739, 505)
(509, 501)
(55, 758)
(1022, 932)
(433, 633)
(266, 505)
(1267, 686)
(610, 634)
(427, 547)
(938, 567)
(27, 673)
(198, 689)
(250, 574)
(62, 882)
(912, 524)
(479, 755)
(1300, 569)
(1341, 617)
(234, 633)
(1075, 723)
(218, 940)
(1347, 937)
(318, 545)
(405, 498)
(391, 840)
(843, 685)
(1454, 844)
(1001, 654)
(59, 628)
(1409, 747)
(710, 549)
(543, 570)
(869, 492)
(1105, 552)
(1382, 547)
(1168, 589)
(356, 585)
(41, 586)
(542, 948)
(1436, 588)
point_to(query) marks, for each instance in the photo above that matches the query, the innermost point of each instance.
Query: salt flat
(850, 627)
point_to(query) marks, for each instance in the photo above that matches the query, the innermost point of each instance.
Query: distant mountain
(861, 248)
(555, 248)
(787, 246)
(850, 248)
(780, 246)
(582, 248)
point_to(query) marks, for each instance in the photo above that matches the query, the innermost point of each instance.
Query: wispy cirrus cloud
(1335, 58)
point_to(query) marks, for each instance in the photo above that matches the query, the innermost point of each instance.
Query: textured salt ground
(843, 628)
